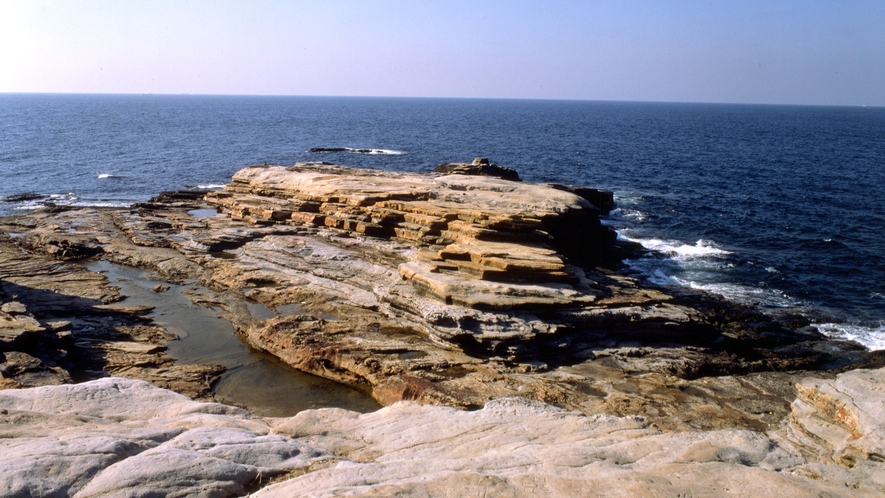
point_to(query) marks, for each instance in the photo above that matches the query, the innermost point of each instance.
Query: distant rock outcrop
(480, 166)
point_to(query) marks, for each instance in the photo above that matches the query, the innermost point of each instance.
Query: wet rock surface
(446, 289)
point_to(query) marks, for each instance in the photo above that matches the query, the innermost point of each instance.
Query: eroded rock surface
(445, 289)
(457, 290)
(115, 437)
(123, 437)
(61, 322)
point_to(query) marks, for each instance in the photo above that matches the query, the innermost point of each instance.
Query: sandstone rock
(423, 209)
(63, 316)
(493, 303)
(115, 437)
(841, 420)
(479, 166)
(518, 448)
(13, 308)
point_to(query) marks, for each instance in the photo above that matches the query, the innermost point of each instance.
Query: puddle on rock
(255, 380)
(259, 311)
(202, 213)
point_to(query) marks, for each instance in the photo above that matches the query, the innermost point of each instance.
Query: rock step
(490, 230)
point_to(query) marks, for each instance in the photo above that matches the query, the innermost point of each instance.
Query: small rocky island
(488, 316)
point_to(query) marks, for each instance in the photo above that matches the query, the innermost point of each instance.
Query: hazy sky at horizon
(778, 52)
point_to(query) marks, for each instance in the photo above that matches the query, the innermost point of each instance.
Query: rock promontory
(458, 289)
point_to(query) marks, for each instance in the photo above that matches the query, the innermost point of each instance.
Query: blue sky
(779, 52)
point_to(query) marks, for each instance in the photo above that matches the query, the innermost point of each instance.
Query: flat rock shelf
(498, 301)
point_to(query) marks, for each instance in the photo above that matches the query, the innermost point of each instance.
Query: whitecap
(211, 186)
(105, 175)
(871, 337)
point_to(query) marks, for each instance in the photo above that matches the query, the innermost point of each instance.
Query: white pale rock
(515, 447)
(846, 416)
(120, 437)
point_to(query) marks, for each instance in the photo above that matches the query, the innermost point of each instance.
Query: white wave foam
(374, 152)
(105, 175)
(733, 292)
(387, 152)
(356, 150)
(871, 337)
(629, 214)
(99, 204)
(67, 200)
(678, 250)
(28, 207)
(211, 186)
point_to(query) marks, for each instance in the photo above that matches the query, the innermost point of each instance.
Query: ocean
(779, 207)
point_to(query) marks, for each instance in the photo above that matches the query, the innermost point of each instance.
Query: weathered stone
(13, 308)
(841, 420)
(474, 301)
(462, 208)
(479, 166)
(118, 436)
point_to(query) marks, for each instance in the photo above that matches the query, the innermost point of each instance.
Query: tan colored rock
(493, 230)
(490, 306)
(841, 420)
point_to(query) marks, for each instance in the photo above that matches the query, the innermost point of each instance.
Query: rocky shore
(467, 289)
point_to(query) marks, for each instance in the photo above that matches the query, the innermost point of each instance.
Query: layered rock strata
(469, 289)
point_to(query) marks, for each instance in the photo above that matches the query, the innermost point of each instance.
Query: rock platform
(123, 437)
(447, 289)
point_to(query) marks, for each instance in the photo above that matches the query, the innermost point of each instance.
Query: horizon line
(186, 94)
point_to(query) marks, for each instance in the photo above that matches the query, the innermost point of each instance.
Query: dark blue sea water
(780, 206)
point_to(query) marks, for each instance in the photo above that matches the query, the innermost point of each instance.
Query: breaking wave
(384, 152)
(871, 337)
(679, 250)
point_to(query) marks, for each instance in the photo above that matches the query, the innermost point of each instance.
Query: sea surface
(782, 207)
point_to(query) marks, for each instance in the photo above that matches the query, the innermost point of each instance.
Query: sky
(741, 51)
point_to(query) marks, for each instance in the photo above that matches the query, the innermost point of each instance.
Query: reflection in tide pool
(255, 380)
